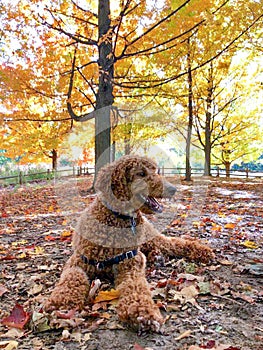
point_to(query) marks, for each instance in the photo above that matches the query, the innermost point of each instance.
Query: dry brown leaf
(184, 335)
(13, 333)
(36, 289)
(8, 345)
(3, 290)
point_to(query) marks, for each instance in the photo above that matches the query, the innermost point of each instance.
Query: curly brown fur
(126, 188)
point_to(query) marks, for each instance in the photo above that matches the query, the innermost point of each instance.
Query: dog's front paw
(142, 314)
(146, 323)
(205, 253)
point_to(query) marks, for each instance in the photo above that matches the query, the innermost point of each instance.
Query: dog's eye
(141, 173)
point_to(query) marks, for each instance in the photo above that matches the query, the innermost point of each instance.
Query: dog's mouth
(152, 204)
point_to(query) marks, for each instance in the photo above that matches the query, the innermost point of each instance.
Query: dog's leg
(72, 289)
(135, 303)
(176, 246)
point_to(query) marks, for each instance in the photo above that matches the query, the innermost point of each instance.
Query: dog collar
(124, 217)
(100, 265)
(127, 217)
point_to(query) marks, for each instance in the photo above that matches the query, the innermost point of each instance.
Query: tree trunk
(113, 151)
(104, 98)
(227, 167)
(127, 145)
(54, 159)
(190, 117)
(208, 121)
(207, 170)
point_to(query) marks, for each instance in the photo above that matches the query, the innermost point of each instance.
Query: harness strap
(100, 265)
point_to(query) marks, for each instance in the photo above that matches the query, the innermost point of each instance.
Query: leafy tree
(86, 56)
(240, 128)
(105, 47)
(32, 125)
(202, 87)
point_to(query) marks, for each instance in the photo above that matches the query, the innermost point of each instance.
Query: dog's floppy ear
(120, 181)
(111, 182)
(103, 180)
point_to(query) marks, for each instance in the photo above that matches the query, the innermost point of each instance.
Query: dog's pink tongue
(154, 204)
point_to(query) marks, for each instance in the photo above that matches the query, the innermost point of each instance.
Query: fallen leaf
(87, 336)
(95, 285)
(226, 262)
(255, 269)
(76, 336)
(13, 333)
(216, 227)
(107, 295)
(3, 290)
(17, 319)
(50, 238)
(186, 295)
(212, 346)
(138, 347)
(115, 325)
(204, 287)
(250, 244)
(190, 277)
(51, 208)
(66, 315)
(36, 289)
(65, 335)
(95, 324)
(9, 345)
(39, 322)
(183, 335)
(162, 283)
(243, 296)
(196, 223)
(66, 234)
(22, 255)
(230, 225)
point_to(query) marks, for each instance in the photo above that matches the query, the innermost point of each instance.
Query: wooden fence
(24, 177)
(216, 172)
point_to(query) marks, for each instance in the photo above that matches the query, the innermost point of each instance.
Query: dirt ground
(216, 306)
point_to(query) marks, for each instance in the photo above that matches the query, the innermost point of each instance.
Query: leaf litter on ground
(200, 302)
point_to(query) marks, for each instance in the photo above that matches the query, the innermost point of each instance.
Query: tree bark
(208, 120)
(104, 98)
(190, 116)
(227, 167)
(54, 159)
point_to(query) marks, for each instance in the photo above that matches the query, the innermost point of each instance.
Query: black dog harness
(100, 265)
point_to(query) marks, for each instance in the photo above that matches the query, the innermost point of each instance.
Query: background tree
(224, 22)
(33, 125)
(87, 56)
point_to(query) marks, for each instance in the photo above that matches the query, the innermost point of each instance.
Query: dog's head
(131, 183)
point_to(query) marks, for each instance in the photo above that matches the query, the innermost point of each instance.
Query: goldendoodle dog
(112, 237)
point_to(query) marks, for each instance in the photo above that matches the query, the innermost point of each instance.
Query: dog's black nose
(169, 189)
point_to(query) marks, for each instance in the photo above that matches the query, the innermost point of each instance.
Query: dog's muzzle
(152, 203)
(168, 189)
